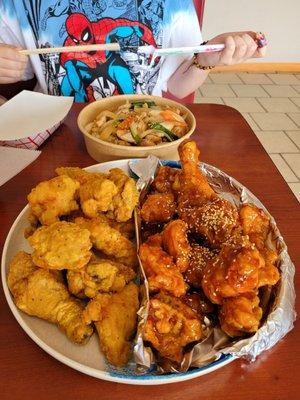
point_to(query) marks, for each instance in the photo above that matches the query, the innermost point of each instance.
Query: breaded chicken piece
(109, 240)
(63, 245)
(79, 174)
(115, 318)
(54, 198)
(99, 276)
(167, 180)
(175, 243)
(127, 228)
(126, 198)
(161, 271)
(158, 207)
(255, 224)
(240, 315)
(96, 196)
(40, 293)
(170, 326)
(269, 274)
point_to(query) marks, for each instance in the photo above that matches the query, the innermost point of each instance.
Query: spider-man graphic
(82, 68)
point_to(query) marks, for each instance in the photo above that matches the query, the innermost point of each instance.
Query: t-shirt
(91, 75)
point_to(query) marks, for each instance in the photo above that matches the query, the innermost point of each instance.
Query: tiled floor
(271, 105)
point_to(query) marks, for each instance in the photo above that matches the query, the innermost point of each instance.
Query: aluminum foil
(282, 314)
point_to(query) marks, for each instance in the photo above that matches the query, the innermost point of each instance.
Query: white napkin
(13, 160)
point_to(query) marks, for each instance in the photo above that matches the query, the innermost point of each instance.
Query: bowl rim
(137, 148)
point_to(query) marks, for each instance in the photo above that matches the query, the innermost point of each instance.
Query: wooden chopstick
(70, 49)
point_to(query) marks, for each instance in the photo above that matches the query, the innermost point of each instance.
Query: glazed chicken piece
(269, 275)
(199, 303)
(109, 240)
(234, 271)
(63, 245)
(194, 187)
(126, 198)
(161, 271)
(158, 207)
(79, 174)
(115, 318)
(200, 256)
(240, 315)
(215, 221)
(255, 224)
(40, 293)
(167, 180)
(170, 326)
(175, 243)
(99, 276)
(54, 198)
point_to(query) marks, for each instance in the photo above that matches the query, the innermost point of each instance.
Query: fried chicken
(63, 245)
(115, 317)
(175, 243)
(269, 274)
(40, 293)
(79, 174)
(167, 180)
(255, 224)
(109, 240)
(161, 271)
(98, 276)
(54, 198)
(170, 326)
(158, 207)
(240, 315)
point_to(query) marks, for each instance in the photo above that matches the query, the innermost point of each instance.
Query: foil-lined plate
(89, 360)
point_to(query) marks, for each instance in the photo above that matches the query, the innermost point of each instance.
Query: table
(226, 141)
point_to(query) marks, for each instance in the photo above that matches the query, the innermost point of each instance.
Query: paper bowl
(101, 150)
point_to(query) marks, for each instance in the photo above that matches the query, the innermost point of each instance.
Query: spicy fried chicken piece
(170, 326)
(126, 198)
(175, 243)
(200, 256)
(255, 224)
(54, 198)
(234, 271)
(40, 293)
(98, 276)
(167, 180)
(240, 315)
(115, 317)
(158, 207)
(63, 245)
(199, 303)
(109, 240)
(269, 274)
(161, 271)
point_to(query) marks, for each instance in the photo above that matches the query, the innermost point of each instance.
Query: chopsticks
(71, 49)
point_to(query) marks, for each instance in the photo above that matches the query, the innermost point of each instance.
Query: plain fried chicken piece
(234, 271)
(240, 315)
(200, 256)
(115, 317)
(63, 245)
(96, 196)
(170, 326)
(161, 271)
(175, 243)
(158, 207)
(79, 174)
(54, 198)
(40, 293)
(167, 180)
(109, 240)
(98, 276)
(255, 224)
(194, 187)
(126, 199)
(127, 228)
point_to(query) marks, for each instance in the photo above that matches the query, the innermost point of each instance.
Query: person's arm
(239, 47)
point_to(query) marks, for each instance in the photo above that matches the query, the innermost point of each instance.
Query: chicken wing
(63, 245)
(161, 271)
(54, 198)
(240, 315)
(109, 240)
(234, 271)
(167, 180)
(175, 243)
(255, 224)
(39, 293)
(158, 207)
(115, 317)
(99, 276)
(170, 326)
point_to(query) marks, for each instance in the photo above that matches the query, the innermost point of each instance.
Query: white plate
(88, 358)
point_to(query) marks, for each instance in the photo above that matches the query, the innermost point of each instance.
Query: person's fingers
(11, 73)
(251, 46)
(13, 65)
(12, 53)
(240, 50)
(227, 54)
(4, 80)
